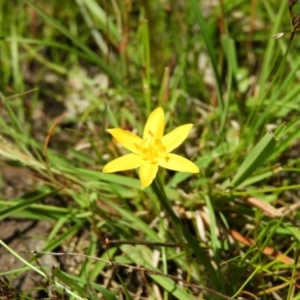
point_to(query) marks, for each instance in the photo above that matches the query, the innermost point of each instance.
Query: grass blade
(77, 42)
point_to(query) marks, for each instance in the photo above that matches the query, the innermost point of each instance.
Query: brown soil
(22, 236)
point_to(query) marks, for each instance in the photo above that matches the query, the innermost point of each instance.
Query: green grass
(72, 69)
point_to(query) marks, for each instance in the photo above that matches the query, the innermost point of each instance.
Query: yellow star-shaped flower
(152, 150)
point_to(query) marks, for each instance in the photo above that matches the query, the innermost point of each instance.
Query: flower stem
(183, 233)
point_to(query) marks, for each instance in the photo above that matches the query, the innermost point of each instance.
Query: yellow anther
(150, 133)
(151, 149)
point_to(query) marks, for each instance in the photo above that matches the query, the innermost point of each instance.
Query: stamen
(151, 149)
(150, 133)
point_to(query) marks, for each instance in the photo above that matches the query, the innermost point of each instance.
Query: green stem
(183, 233)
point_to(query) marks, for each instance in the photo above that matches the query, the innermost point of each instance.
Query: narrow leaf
(254, 159)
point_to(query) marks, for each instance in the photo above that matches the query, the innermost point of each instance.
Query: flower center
(152, 149)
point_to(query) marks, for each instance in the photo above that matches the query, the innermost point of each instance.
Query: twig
(153, 244)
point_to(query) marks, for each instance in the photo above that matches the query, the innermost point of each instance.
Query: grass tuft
(72, 69)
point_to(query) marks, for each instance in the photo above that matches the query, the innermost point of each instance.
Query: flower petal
(126, 139)
(155, 124)
(178, 163)
(173, 139)
(147, 173)
(123, 163)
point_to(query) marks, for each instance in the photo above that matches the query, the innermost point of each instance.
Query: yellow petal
(147, 173)
(173, 139)
(123, 163)
(178, 163)
(155, 124)
(126, 139)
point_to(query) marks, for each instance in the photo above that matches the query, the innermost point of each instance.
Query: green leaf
(211, 52)
(294, 231)
(32, 198)
(106, 293)
(94, 57)
(64, 277)
(125, 290)
(254, 159)
(140, 256)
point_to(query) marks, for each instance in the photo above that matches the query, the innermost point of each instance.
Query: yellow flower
(152, 150)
